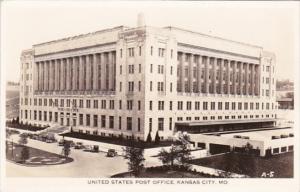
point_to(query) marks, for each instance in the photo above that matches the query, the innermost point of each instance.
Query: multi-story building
(133, 81)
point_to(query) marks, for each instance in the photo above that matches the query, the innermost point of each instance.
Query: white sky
(272, 25)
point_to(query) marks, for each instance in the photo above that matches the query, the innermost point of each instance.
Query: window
(150, 124)
(120, 69)
(87, 120)
(121, 53)
(197, 105)
(139, 105)
(120, 123)
(212, 105)
(103, 104)
(239, 106)
(171, 87)
(226, 105)
(151, 50)
(120, 89)
(151, 68)
(95, 120)
(171, 105)
(96, 104)
(160, 124)
(103, 119)
(161, 105)
(129, 123)
(188, 105)
(140, 50)
(205, 105)
(219, 105)
(171, 53)
(150, 85)
(111, 122)
(131, 52)
(88, 104)
(140, 85)
(120, 104)
(150, 105)
(161, 52)
(179, 105)
(129, 104)
(80, 103)
(111, 104)
(233, 105)
(140, 68)
(245, 106)
(80, 119)
(139, 124)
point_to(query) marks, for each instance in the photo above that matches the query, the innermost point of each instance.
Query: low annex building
(135, 81)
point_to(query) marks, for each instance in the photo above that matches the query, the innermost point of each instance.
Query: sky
(272, 25)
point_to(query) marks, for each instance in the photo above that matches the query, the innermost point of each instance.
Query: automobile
(78, 145)
(111, 153)
(61, 142)
(50, 141)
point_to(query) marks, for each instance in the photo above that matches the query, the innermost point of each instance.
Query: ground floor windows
(129, 123)
(160, 124)
(111, 122)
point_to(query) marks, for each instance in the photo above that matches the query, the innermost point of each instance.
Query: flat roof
(261, 135)
(224, 122)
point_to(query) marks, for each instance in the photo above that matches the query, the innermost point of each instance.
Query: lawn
(163, 172)
(117, 140)
(281, 165)
(36, 157)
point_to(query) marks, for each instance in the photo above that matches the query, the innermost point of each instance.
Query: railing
(92, 92)
(216, 95)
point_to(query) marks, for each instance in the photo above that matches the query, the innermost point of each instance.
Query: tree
(17, 120)
(184, 155)
(157, 139)
(23, 139)
(25, 154)
(168, 157)
(135, 158)
(66, 150)
(149, 138)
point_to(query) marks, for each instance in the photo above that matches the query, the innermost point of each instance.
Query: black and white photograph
(198, 93)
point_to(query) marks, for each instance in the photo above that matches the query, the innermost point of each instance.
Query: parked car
(78, 145)
(61, 142)
(111, 153)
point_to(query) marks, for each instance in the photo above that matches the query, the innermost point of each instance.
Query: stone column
(214, 69)
(75, 76)
(88, 72)
(37, 86)
(234, 77)
(199, 63)
(246, 79)
(56, 66)
(206, 75)
(241, 78)
(191, 72)
(252, 79)
(103, 72)
(62, 77)
(50, 75)
(71, 65)
(68, 81)
(43, 75)
(110, 71)
(95, 72)
(228, 77)
(182, 83)
(257, 82)
(221, 76)
(80, 75)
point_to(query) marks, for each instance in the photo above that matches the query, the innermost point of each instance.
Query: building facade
(130, 82)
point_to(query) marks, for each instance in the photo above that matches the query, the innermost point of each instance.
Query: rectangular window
(80, 119)
(87, 120)
(95, 120)
(226, 105)
(129, 123)
(139, 124)
(171, 105)
(212, 105)
(170, 123)
(150, 124)
(160, 124)
(120, 123)
(120, 104)
(139, 105)
(140, 68)
(96, 104)
(103, 119)
(150, 105)
(140, 50)
(111, 122)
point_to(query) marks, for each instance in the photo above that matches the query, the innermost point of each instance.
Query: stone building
(133, 81)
